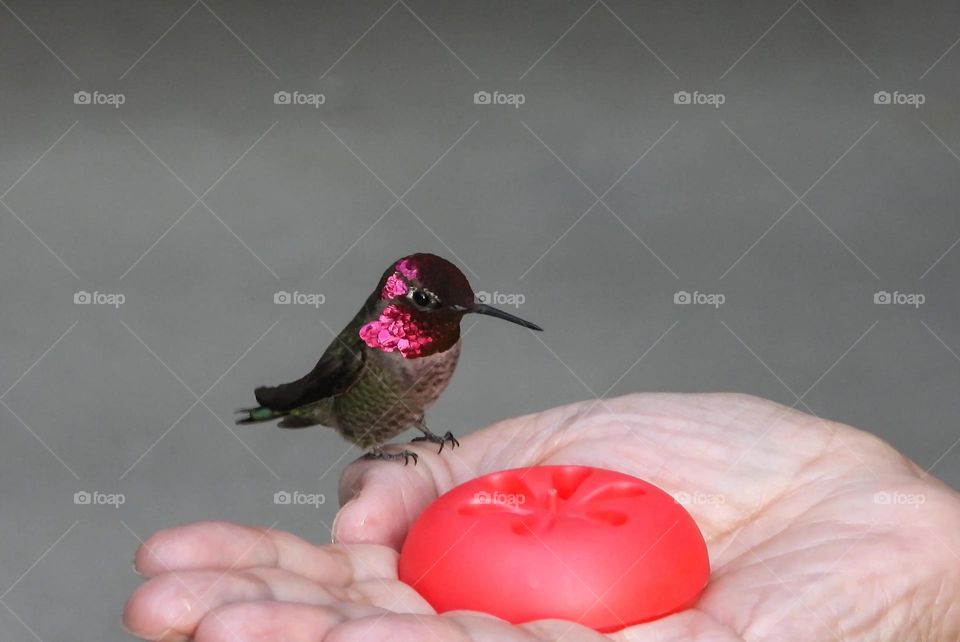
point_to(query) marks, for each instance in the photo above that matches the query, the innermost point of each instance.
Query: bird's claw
(405, 455)
(436, 439)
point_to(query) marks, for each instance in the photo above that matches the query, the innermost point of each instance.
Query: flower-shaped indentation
(573, 492)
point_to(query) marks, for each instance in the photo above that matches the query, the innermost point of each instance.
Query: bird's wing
(336, 371)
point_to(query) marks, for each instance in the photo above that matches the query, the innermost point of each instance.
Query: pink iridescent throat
(395, 329)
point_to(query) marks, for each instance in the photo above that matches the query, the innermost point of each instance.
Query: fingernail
(336, 519)
(136, 570)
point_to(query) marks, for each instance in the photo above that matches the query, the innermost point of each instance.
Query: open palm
(816, 531)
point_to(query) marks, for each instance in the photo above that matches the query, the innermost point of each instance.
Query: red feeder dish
(593, 546)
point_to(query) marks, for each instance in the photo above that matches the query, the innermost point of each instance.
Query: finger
(223, 545)
(257, 621)
(291, 622)
(455, 627)
(171, 605)
(380, 499)
(468, 626)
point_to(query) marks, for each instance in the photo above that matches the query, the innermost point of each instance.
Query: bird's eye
(421, 298)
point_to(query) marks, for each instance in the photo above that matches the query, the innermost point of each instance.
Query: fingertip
(335, 527)
(147, 561)
(195, 545)
(428, 473)
(380, 499)
(156, 610)
(131, 616)
(373, 517)
(163, 551)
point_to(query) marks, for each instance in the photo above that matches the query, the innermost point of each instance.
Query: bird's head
(422, 298)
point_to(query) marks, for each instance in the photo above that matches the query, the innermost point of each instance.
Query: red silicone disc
(593, 546)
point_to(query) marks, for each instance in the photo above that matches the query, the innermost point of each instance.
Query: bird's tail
(258, 414)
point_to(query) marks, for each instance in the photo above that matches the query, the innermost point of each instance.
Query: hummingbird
(388, 365)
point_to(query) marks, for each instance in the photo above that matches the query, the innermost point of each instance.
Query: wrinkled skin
(800, 547)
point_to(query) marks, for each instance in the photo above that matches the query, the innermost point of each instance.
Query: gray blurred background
(598, 202)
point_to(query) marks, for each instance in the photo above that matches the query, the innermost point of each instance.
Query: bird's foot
(405, 455)
(434, 438)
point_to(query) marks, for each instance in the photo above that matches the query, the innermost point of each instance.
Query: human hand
(815, 530)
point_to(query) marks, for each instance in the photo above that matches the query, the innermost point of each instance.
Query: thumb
(380, 499)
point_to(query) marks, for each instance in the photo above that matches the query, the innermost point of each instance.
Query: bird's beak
(490, 311)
